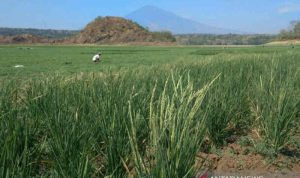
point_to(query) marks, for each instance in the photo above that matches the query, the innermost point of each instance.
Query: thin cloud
(288, 8)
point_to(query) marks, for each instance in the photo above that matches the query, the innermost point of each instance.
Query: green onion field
(144, 111)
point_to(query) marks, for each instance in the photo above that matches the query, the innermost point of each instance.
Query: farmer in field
(97, 57)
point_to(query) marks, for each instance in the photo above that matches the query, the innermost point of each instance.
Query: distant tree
(165, 36)
(297, 28)
(98, 18)
(292, 33)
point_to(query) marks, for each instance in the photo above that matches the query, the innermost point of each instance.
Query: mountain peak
(157, 19)
(150, 8)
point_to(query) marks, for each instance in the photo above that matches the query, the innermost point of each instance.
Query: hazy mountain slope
(157, 19)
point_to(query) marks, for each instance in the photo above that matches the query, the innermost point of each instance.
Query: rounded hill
(105, 30)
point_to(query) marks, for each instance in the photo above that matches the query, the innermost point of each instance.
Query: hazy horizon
(250, 16)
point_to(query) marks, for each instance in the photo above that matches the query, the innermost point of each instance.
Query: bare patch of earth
(237, 161)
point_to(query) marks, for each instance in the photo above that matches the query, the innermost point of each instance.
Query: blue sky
(257, 16)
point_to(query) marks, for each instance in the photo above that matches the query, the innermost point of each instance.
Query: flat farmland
(148, 111)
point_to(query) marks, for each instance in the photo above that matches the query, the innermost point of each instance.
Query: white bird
(97, 58)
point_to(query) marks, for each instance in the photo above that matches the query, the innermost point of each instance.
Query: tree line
(47, 33)
(226, 39)
(293, 32)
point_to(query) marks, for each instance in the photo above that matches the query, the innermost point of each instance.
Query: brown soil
(285, 42)
(236, 160)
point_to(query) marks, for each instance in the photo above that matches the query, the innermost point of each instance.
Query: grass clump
(275, 105)
(176, 129)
